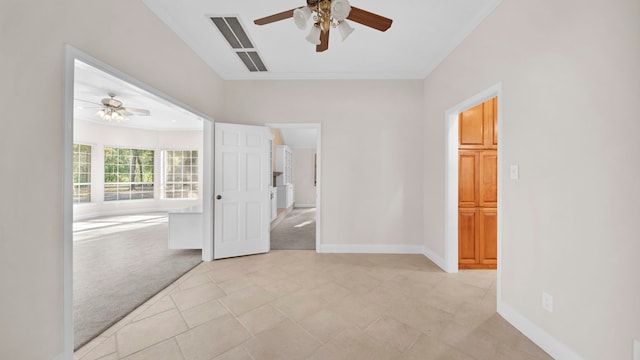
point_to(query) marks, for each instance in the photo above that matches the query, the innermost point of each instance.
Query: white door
(242, 209)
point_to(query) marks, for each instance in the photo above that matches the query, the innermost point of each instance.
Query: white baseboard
(546, 341)
(442, 264)
(370, 249)
(62, 356)
(305, 205)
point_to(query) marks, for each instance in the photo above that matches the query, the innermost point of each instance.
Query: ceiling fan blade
(134, 111)
(88, 102)
(369, 19)
(324, 41)
(275, 17)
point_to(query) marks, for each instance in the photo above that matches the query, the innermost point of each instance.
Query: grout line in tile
(179, 348)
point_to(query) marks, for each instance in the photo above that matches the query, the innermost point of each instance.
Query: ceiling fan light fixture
(301, 16)
(345, 29)
(340, 9)
(100, 113)
(314, 35)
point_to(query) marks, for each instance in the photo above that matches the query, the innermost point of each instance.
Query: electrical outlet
(514, 172)
(636, 349)
(547, 302)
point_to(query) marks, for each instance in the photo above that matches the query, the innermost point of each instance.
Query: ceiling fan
(328, 14)
(112, 109)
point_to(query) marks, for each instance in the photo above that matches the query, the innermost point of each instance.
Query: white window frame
(76, 164)
(128, 183)
(194, 171)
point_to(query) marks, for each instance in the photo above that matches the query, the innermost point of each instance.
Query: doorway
(140, 191)
(451, 177)
(478, 186)
(296, 182)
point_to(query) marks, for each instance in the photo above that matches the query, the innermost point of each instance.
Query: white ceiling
(423, 33)
(91, 85)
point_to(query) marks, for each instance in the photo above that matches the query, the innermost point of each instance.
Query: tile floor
(304, 305)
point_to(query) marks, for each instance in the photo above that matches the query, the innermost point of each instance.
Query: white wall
(99, 136)
(303, 177)
(371, 151)
(571, 84)
(122, 33)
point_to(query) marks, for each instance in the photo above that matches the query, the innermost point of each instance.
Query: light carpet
(296, 232)
(119, 263)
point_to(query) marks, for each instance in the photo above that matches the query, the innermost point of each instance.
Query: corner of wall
(437, 259)
(543, 339)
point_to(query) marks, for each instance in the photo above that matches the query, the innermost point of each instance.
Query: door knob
(219, 197)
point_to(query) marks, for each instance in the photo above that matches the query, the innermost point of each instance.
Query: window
(81, 173)
(128, 174)
(180, 174)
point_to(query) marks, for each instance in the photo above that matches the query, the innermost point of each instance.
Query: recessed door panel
(467, 247)
(471, 125)
(253, 221)
(230, 162)
(467, 174)
(254, 171)
(489, 236)
(229, 223)
(230, 138)
(488, 179)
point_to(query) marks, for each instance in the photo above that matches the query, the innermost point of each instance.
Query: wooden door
(478, 187)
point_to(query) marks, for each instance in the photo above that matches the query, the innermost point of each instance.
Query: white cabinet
(285, 196)
(185, 229)
(274, 203)
(284, 164)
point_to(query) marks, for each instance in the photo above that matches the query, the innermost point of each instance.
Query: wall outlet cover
(514, 172)
(547, 302)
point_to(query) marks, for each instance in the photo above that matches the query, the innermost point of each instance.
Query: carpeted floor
(119, 263)
(296, 232)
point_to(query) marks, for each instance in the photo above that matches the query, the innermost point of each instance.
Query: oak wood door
(478, 187)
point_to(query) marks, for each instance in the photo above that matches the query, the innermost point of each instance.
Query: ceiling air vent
(231, 29)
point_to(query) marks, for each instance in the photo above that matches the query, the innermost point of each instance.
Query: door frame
(451, 177)
(318, 128)
(72, 54)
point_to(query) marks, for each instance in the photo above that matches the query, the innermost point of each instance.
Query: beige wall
(371, 150)
(122, 33)
(303, 177)
(571, 84)
(277, 140)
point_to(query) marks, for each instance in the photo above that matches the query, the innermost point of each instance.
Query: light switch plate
(636, 349)
(514, 172)
(547, 302)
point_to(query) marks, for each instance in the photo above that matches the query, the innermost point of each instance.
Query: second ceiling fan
(328, 14)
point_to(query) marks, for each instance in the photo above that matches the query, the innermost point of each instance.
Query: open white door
(242, 209)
